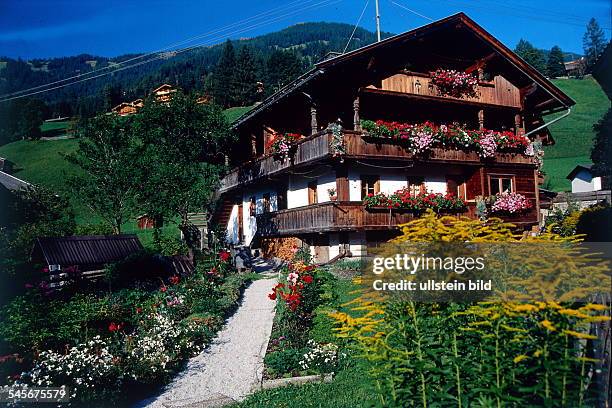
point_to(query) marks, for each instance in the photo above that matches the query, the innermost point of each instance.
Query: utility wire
(320, 4)
(410, 10)
(166, 48)
(356, 25)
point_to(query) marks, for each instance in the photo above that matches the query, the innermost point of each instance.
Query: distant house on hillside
(164, 92)
(583, 179)
(12, 183)
(575, 68)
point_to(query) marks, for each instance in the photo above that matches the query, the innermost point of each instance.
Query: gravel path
(233, 363)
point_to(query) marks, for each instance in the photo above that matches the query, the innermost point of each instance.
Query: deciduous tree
(106, 155)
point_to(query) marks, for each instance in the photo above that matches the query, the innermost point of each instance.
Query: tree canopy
(555, 67)
(531, 55)
(593, 42)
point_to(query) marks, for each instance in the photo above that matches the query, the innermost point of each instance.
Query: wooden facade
(292, 196)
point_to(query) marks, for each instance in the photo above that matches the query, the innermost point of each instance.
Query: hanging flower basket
(284, 146)
(454, 83)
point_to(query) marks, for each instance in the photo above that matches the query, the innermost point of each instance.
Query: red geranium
(224, 256)
(113, 327)
(307, 279)
(174, 279)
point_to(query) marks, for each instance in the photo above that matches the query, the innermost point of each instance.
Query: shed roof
(85, 250)
(578, 168)
(11, 182)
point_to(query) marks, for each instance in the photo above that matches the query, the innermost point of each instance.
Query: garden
(100, 343)
(530, 348)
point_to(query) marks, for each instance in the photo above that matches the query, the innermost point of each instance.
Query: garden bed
(100, 344)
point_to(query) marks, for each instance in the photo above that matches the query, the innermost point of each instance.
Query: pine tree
(223, 77)
(555, 67)
(531, 55)
(601, 155)
(593, 42)
(245, 77)
(282, 67)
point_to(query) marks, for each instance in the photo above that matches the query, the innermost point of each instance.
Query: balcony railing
(348, 216)
(316, 147)
(498, 92)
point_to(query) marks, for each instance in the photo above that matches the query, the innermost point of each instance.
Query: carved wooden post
(356, 119)
(518, 124)
(313, 120)
(481, 119)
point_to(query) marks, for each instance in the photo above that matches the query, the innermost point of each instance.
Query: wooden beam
(313, 120)
(481, 119)
(480, 63)
(356, 118)
(342, 183)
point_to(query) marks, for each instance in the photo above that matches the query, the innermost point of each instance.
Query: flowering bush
(88, 369)
(322, 358)
(337, 145)
(421, 138)
(283, 146)
(510, 203)
(405, 200)
(454, 83)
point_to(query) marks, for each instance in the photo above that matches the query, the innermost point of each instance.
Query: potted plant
(332, 194)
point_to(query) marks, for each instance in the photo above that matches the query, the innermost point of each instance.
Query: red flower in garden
(272, 295)
(138, 309)
(113, 327)
(224, 256)
(163, 289)
(213, 271)
(307, 279)
(174, 279)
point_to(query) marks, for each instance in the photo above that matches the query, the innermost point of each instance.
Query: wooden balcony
(496, 93)
(348, 216)
(314, 148)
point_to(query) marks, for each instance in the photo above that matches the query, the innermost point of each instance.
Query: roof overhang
(453, 32)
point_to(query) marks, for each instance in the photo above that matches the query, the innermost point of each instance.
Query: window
(501, 184)
(369, 185)
(312, 193)
(416, 185)
(456, 185)
(281, 200)
(266, 203)
(252, 207)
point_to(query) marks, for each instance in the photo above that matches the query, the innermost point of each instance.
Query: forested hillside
(191, 70)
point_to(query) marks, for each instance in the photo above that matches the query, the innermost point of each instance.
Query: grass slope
(573, 134)
(54, 129)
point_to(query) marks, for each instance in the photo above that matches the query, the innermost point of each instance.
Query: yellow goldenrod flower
(520, 358)
(548, 325)
(579, 335)
(593, 306)
(538, 353)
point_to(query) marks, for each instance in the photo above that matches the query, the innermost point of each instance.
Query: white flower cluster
(82, 368)
(322, 357)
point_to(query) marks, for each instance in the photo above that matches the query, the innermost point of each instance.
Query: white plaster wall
(584, 181)
(436, 184)
(249, 223)
(232, 226)
(297, 195)
(324, 183)
(392, 180)
(358, 244)
(334, 245)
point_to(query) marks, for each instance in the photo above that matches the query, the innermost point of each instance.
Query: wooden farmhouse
(313, 188)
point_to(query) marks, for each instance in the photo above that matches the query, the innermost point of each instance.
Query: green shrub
(284, 361)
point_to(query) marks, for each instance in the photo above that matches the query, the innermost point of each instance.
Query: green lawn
(234, 113)
(54, 129)
(573, 134)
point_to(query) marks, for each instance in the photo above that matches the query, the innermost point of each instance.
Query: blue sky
(51, 28)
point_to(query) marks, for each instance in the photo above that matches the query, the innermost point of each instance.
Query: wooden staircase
(223, 210)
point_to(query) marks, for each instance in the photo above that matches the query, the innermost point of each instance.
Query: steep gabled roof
(549, 96)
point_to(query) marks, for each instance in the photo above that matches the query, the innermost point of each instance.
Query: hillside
(190, 70)
(573, 134)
